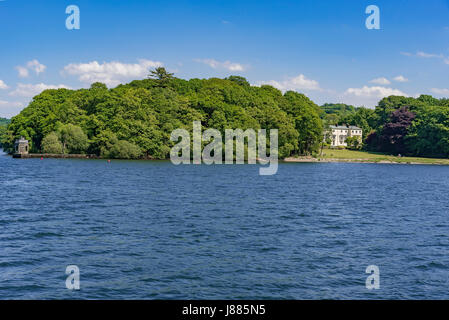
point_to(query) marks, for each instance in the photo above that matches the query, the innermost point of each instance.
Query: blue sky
(320, 48)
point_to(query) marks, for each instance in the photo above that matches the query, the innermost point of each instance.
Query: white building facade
(338, 134)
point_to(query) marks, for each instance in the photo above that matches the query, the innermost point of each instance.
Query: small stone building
(21, 146)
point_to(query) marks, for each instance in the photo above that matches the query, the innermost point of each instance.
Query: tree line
(3, 125)
(135, 120)
(398, 125)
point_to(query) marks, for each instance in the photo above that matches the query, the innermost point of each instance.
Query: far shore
(56, 156)
(327, 156)
(315, 160)
(350, 156)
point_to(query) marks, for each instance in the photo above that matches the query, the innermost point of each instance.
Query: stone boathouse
(21, 148)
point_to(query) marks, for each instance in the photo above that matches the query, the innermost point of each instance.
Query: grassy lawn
(329, 154)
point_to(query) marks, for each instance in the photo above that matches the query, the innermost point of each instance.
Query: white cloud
(33, 65)
(374, 92)
(3, 85)
(428, 55)
(228, 65)
(36, 66)
(111, 73)
(23, 72)
(368, 96)
(10, 104)
(300, 82)
(440, 91)
(382, 81)
(400, 79)
(30, 90)
(421, 54)
(10, 109)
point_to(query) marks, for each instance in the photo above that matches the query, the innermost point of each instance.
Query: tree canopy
(3, 125)
(136, 119)
(398, 125)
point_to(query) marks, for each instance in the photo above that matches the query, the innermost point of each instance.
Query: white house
(338, 134)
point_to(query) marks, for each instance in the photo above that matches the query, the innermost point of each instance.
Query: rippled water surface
(152, 230)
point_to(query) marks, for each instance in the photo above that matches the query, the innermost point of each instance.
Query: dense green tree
(339, 109)
(388, 105)
(73, 139)
(413, 126)
(363, 118)
(307, 121)
(428, 135)
(161, 75)
(102, 143)
(354, 143)
(3, 126)
(52, 144)
(239, 80)
(124, 150)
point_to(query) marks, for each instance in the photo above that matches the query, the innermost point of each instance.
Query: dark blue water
(152, 230)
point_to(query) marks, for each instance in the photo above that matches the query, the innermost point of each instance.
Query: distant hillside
(338, 108)
(3, 124)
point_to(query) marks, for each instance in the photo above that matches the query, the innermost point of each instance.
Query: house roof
(345, 127)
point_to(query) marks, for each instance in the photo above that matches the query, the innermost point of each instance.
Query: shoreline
(403, 161)
(72, 156)
(323, 160)
(358, 156)
(53, 156)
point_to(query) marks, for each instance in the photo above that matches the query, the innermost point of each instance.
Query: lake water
(152, 230)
